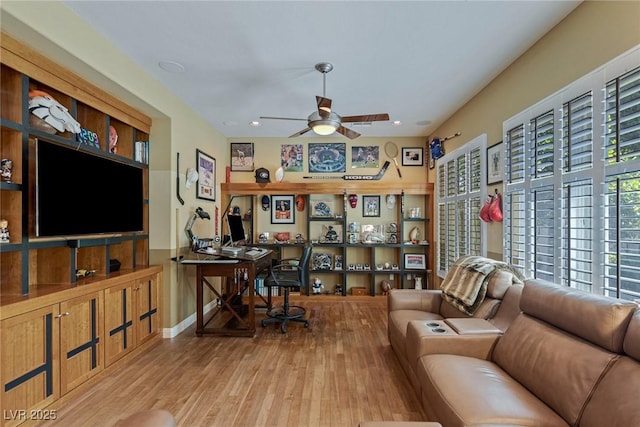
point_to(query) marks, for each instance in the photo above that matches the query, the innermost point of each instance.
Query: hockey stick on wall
(375, 177)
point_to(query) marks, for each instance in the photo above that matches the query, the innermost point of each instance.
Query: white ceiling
(418, 61)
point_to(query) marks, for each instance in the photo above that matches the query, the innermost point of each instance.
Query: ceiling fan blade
(351, 134)
(302, 132)
(366, 118)
(281, 118)
(324, 106)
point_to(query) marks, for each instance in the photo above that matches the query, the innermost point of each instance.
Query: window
(572, 184)
(461, 188)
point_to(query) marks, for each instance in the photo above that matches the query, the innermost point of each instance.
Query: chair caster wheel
(283, 329)
(263, 323)
(306, 324)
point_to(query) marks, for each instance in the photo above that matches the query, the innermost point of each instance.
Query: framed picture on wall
(412, 156)
(242, 156)
(495, 163)
(415, 261)
(370, 206)
(206, 167)
(282, 210)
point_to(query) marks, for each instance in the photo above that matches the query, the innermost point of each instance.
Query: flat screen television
(79, 193)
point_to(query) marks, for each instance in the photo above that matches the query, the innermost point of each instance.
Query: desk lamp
(195, 242)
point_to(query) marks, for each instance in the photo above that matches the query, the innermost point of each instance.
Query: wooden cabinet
(30, 362)
(131, 316)
(357, 263)
(81, 339)
(49, 351)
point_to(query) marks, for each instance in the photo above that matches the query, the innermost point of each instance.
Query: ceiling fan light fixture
(324, 127)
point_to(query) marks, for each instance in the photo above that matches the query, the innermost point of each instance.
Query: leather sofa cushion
(615, 401)
(560, 369)
(509, 308)
(632, 338)
(598, 319)
(414, 299)
(486, 310)
(464, 391)
(498, 283)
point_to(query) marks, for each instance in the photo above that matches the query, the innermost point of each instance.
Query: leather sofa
(410, 312)
(568, 358)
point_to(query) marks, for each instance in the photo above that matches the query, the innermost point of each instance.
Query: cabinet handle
(66, 313)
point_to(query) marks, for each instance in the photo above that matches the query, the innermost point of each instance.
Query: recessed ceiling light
(171, 66)
(255, 123)
(397, 123)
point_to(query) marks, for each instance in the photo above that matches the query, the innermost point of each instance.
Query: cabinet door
(147, 314)
(28, 355)
(81, 336)
(119, 327)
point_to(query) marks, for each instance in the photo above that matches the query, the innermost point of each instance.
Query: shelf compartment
(64, 100)
(94, 121)
(10, 94)
(123, 252)
(11, 273)
(50, 266)
(142, 252)
(11, 148)
(125, 138)
(11, 203)
(92, 258)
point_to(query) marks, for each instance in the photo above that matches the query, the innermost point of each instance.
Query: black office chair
(288, 275)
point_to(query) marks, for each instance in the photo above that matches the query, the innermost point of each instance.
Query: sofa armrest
(437, 337)
(414, 299)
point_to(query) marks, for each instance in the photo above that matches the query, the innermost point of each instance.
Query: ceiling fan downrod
(324, 68)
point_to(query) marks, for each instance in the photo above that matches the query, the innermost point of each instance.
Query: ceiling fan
(324, 121)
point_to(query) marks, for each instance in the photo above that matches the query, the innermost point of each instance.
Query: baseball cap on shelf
(262, 175)
(265, 203)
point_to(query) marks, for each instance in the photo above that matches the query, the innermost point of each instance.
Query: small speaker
(114, 265)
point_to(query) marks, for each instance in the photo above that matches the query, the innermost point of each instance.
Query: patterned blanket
(465, 285)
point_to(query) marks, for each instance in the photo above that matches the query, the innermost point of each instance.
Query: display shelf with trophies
(354, 248)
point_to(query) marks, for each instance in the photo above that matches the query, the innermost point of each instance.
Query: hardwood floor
(338, 372)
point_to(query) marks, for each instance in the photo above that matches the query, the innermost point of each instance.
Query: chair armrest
(414, 299)
(423, 339)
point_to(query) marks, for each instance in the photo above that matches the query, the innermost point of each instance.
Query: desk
(229, 318)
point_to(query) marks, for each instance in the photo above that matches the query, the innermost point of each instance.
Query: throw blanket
(465, 285)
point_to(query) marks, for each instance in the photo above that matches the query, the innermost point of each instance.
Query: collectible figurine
(418, 283)
(7, 165)
(317, 286)
(338, 289)
(4, 231)
(332, 235)
(386, 286)
(113, 140)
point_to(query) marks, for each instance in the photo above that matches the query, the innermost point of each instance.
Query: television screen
(78, 193)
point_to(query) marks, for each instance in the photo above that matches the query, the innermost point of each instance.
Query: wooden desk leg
(252, 289)
(199, 302)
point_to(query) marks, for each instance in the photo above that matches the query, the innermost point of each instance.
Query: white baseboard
(176, 330)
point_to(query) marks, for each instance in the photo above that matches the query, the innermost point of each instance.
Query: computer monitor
(236, 230)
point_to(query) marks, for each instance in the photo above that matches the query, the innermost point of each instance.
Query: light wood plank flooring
(338, 372)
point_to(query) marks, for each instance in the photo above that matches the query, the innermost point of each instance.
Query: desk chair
(286, 276)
